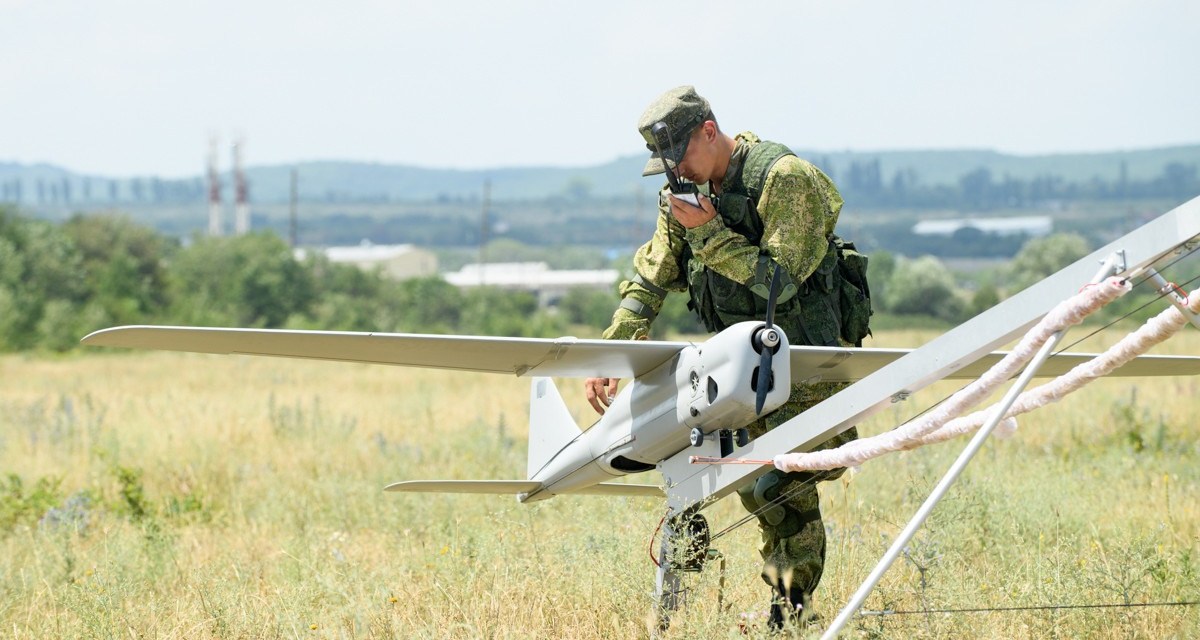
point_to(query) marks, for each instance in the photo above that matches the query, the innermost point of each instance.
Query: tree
(123, 266)
(985, 297)
(676, 317)
(39, 265)
(250, 280)
(880, 266)
(923, 286)
(432, 305)
(491, 311)
(588, 307)
(1043, 256)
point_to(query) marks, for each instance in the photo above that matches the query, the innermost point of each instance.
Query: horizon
(805, 153)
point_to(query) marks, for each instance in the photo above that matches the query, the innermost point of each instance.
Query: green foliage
(984, 298)
(588, 307)
(676, 318)
(1139, 428)
(494, 312)
(249, 280)
(39, 268)
(1041, 257)
(432, 305)
(132, 495)
(880, 267)
(59, 282)
(123, 265)
(21, 505)
(346, 298)
(923, 286)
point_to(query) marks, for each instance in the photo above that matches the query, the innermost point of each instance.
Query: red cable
(1182, 294)
(652, 537)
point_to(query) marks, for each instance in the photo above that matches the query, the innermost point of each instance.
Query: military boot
(789, 604)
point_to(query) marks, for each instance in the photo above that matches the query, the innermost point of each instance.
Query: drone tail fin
(551, 426)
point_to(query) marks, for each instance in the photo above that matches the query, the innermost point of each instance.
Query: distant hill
(361, 181)
(945, 167)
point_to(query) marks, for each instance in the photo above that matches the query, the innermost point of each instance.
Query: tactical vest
(815, 314)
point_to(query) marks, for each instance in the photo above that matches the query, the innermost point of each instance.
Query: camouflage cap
(682, 110)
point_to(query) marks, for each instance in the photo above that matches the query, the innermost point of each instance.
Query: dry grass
(260, 512)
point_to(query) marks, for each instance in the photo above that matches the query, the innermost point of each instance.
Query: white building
(396, 261)
(1028, 225)
(536, 277)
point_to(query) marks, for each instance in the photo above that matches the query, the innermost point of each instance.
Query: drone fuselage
(709, 386)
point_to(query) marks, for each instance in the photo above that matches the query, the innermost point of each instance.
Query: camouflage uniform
(798, 207)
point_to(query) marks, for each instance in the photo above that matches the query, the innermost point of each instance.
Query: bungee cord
(910, 434)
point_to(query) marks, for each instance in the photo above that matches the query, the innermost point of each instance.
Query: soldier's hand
(600, 392)
(690, 216)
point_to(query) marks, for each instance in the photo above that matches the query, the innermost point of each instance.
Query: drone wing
(521, 487)
(563, 357)
(848, 365)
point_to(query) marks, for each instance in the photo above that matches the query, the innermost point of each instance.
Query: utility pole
(292, 208)
(241, 208)
(214, 190)
(483, 230)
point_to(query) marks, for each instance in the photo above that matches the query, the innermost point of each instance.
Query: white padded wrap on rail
(930, 427)
(1153, 332)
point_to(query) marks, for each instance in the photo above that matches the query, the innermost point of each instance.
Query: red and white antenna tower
(241, 208)
(214, 190)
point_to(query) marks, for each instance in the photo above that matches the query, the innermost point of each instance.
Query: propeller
(766, 341)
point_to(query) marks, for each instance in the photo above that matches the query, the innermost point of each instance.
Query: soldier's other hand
(600, 392)
(690, 216)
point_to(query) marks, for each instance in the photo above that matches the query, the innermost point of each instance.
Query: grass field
(157, 495)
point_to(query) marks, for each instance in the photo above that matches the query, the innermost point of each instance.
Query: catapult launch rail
(691, 487)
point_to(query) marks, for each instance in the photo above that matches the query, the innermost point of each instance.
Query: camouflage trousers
(793, 536)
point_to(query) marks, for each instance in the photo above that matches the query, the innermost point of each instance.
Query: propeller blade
(764, 380)
(766, 350)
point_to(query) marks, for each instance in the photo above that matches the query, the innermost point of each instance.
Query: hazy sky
(121, 87)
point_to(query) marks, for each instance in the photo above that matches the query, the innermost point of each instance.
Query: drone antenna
(657, 132)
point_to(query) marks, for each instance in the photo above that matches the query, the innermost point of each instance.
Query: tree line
(864, 184)
(60, 281)
(68, 190)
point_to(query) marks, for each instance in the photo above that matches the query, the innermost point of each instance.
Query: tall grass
(177, 495)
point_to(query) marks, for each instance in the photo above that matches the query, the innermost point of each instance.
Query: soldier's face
(700, 161)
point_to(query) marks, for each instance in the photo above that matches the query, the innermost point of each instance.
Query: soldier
(759, 205)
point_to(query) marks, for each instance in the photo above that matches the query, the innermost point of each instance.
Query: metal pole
(964, 458)
(293, 197)
(483, 231)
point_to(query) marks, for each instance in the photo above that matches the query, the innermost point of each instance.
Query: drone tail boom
(551, 426)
